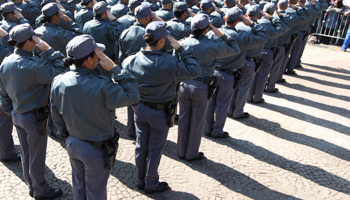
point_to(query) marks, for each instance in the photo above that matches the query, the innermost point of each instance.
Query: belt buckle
(159, 106)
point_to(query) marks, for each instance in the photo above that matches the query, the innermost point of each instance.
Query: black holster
(305, 36)
(110, 148)
(170, 109)
(238, 77)
(41, 115)
(293, 39)
(213, 84)
(258, 63)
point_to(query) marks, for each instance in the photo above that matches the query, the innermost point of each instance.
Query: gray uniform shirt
(179, 28)
(120, 9)
(127, 20)
(209, 50)
(105, 32)
(158, 73)
(165, 14)
(84, 15)
(25, 80)
(83, 104)
(58, 37)
(274, 28)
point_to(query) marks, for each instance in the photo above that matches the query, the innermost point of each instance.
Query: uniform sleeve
(187, 67)
(5, 101)
(121, 55)
(124, 92)
(75, 28)
(48, 66)
(115, 30)
(258, 36)
(30, 10)
(303, 16)
(56, 116)
(231, 48)
(277, 29)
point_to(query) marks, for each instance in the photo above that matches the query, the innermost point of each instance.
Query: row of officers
(84, 60)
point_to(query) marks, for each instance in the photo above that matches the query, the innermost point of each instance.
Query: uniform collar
(177, 20)
(80, 69)
(139, 24)
(120, 2)
(151, 52)
(131, 14)
(23, 53)
(229, 27)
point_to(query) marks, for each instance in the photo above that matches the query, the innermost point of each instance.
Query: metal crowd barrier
(333, 26)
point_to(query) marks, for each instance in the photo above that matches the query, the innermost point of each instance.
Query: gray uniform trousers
(275, 69)
(193, 102)
(284, 63)
(131, 123)
(33, 152)
(303, 47)
(258, 85)
(7, 148)
(219, 103)
(151, 133)
(240, 95)
(89, 175)
(294, 55)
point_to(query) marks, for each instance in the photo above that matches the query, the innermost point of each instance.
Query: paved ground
(295, 146)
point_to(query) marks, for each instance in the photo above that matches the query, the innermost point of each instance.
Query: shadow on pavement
(316, 91)
(228, 177)
(324, 82)
(344, 71)
(329, 108)
(126, 173)
(308, 118)
(314, 174)
(275, 129)
(339, 76)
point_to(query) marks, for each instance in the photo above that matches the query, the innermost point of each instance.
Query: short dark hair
(178, 13)
(19, 45)
(67, 61)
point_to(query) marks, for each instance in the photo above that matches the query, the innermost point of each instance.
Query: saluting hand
(246, 20)
(41, 44)
(192, 14)
(18, 15)
(156, 18)
(110, 16)
(106, 62)
(216, 30)
(217, 9)
(301, 4)
(64, 16)
(266, 15)
(174, 43)
(3, 33)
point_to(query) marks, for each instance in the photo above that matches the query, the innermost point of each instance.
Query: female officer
(51, 33)
(157, 74)
(193, 94)
(24, 93)
(83, 107)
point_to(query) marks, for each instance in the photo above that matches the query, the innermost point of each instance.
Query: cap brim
(18, 9)
(168, 33)
(101, 46)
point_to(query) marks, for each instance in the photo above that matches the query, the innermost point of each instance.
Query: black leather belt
(206, 80)
(252, 59)
(156, 106)
(98, 145)
(228, 71)
(273, 49)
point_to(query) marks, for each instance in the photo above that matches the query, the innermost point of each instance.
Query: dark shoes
(132, 136)
(245, 115)
(200, 157)
(272, 91)
(290, 72)
(298, 66)
(163, 186)
(281, 81)
(257, 102)
(54, 193)
(14, 159)
(223, 135)
(140, 186)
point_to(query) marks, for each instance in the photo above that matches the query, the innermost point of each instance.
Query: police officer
(7, 148)
(86, 13)
(153, 4)
(274, 27)
(83, 108)
(54, 35)
(160, 72)
(129, 19)
(25, 83)
(165, 13)
(193, 6)
(227, 5)
(30, 10)
(248, 68)
(301, 33)
(177, 26)
(227, 70)
(215, 18)
(194, 94)
(120, 9)
(11, 18)
(130, 42)
(104, 28)
(280, 49)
